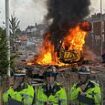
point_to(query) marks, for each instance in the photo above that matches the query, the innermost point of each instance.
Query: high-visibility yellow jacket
(55, 96)
(25, 96)
(92, 93)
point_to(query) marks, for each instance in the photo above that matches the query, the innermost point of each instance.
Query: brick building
(97, 35)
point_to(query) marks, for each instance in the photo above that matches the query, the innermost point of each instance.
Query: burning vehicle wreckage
(66, 55)
(68, 50)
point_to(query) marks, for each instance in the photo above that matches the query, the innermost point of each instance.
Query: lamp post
(7, 33)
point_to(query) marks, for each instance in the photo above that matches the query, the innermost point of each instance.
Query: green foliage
(3, 52)
(14, 26)
(14, 32)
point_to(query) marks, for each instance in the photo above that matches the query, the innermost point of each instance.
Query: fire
(46, 53)
(74, 41)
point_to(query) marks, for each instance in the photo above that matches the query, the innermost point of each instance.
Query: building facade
(96, 38)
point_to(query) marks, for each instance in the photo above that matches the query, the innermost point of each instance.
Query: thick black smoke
(65, 14)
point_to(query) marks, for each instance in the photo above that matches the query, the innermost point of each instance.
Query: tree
(14, 31)
(14, 25)
(3, 52)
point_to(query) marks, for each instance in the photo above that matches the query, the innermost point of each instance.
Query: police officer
(20, 93)
(51, 93)
(85, 92)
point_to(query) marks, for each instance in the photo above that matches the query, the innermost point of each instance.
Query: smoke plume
(65, 14)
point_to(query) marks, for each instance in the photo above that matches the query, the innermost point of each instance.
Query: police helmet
(50, 72)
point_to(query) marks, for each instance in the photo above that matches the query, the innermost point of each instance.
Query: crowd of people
(84, 92)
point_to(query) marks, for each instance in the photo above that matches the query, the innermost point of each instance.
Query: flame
(47, 50)
(74, 41)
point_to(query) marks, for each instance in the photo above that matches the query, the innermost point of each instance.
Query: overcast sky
(29, 12)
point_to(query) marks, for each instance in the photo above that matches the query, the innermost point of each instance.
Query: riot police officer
(20, 93)
(86, 91)
(51, 92)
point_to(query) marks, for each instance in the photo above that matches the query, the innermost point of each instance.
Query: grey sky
(30, 12)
